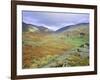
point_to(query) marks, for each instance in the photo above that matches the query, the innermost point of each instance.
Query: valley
(45, 48)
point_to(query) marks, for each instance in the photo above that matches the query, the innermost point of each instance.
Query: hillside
(68, 46)
(71, 27)
(34, 28)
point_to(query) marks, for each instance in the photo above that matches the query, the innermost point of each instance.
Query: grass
(76, 40)
(40, 49)
(76, 60)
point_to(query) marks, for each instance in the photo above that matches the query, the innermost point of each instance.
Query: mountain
(34, 28)
(29, 27)
(71, 27)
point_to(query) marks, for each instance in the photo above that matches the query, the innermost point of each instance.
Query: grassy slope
(40, 49)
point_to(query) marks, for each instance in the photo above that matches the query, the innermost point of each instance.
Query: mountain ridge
(34, 28)
(27, 27)
(71, 26)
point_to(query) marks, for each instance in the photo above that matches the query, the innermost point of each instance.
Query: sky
(54, 20)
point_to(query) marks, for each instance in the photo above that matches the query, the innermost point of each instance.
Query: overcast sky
(54, 20)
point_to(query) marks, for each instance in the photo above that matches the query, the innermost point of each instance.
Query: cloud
(54, 20)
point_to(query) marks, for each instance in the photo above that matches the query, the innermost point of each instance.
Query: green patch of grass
(76, 40)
